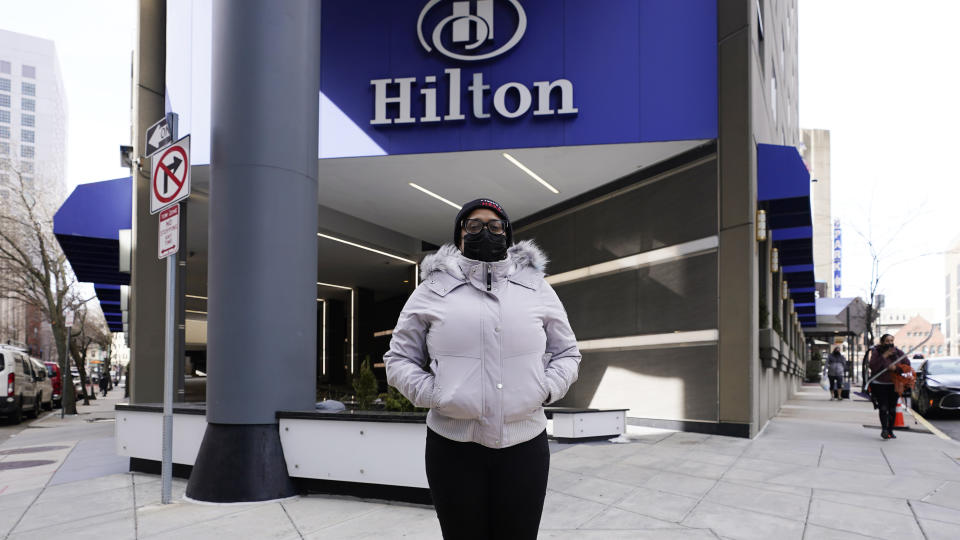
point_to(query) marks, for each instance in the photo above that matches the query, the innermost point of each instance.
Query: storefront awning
(88, 226)
(783, 191)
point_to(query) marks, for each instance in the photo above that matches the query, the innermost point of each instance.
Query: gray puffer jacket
(484, 346)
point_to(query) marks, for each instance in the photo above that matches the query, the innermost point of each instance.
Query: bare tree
(89, 331)
(35, 269)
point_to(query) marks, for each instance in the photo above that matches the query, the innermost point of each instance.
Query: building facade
(33, 125)
(638, 159)
(920, 336)
(816, 154)
(951, 318)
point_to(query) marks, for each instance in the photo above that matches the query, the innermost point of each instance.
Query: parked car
(44, 384)
(53, 372)
(938, 385)
(19, 395)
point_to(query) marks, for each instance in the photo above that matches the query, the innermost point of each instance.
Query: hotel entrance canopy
(783, 191)
(88, 226)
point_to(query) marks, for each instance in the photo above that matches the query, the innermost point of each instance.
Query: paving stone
(49, 511)
(947, 494)
(267, 519)
(116, 524)
(615, 518)
(159, 519)
(316, 512)
(625, 474)
(709, 456)
(680, 484)
(562, 511)
(598, 490)
(936, 512)
(816, 532)
(400, 520)
(637, 534)
(739, 524)
(890, 504)
(760, 500)
(783, 456)
(866, 521)
(938, 530)
(560, 479)
(658, 504)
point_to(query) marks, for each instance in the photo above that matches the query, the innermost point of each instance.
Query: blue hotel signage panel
(614, 71)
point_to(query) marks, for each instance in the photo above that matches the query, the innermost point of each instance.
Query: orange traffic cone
(898, 421)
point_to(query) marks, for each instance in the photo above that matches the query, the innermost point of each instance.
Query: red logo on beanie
(497, 207)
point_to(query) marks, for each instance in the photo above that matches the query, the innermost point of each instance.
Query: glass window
(29, 72)
(28, 120)
(4, 85)
(28, 89)
(26, 135)
(50, 371)
(4, 132)
(4, 67)
(28, 104)
(26, 152)
(5, 116)
(4, 149)
(4, 100)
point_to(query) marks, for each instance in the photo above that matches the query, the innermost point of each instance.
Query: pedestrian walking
(485, 343)
(884, 361)
(836, 366)
(104, 384)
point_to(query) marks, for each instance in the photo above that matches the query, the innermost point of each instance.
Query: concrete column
(261, 284)
(738, 361)
(147, 275)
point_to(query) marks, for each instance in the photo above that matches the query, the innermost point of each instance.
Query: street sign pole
(166, 464)
(166, 468)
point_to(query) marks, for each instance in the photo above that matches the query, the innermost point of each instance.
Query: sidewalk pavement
(815, 471)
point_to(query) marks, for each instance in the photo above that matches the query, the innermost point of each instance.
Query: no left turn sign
(170, 175)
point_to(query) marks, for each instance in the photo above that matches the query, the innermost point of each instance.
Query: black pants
(836, 382)
(886, 399)
(483, 493)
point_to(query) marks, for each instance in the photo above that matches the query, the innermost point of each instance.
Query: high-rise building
(33, 141)
(951, 315)
(816, 155)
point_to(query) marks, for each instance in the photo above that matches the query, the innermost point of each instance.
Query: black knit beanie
(481, 203)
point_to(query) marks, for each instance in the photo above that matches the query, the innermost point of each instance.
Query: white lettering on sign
(168, 233)
(399, 92)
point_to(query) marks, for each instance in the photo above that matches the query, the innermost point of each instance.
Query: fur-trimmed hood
(522, 255)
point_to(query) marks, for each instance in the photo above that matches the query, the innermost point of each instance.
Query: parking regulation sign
(168, 241)
(170, 175)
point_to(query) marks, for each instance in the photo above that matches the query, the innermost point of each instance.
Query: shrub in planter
(813, 367)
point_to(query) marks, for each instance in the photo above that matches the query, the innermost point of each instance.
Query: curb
(929, 426)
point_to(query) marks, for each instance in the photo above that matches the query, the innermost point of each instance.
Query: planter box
(770, 345)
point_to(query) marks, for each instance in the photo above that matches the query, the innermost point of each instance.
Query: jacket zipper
(486, 267)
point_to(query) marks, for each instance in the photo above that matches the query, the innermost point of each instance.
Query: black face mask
(485, 246)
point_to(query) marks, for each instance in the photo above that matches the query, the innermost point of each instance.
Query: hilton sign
(467, 32)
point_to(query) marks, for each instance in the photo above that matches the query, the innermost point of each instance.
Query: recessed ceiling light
(361, 246)
(532, 174)
(434, 195)
(322, 284)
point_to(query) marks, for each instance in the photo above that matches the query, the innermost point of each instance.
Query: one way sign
(160, 134)
(170, 175)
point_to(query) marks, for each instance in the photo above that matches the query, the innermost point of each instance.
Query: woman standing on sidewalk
(836, 366)
(883, 362)
(484, 342)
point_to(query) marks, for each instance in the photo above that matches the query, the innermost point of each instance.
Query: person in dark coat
(883, 362)
(836, 366)
(104, 383)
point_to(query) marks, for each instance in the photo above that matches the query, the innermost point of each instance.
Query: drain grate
(8, 465)
(30, 450)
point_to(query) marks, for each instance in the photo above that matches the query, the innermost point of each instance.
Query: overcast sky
(880, 75)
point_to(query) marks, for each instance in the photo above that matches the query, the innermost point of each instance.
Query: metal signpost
(65, 363)
(169, 184)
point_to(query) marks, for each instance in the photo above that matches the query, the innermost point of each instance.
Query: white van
(44, 384)
(18, 393)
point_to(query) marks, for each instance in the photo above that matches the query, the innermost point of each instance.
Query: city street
(947, 422)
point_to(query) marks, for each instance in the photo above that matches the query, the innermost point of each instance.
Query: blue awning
(88, 226)
(783, 191)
